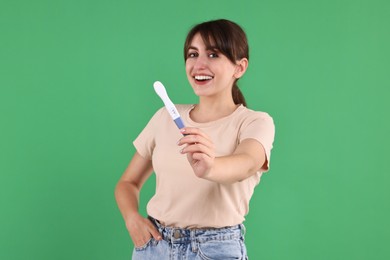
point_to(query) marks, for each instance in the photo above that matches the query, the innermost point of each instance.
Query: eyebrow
(211, 48)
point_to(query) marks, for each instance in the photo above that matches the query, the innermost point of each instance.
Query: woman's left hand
(200, 150)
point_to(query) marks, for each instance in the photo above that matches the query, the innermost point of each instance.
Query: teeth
(203, 77)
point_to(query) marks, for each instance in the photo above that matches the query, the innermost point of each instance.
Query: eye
(213, 55)
(192, 55)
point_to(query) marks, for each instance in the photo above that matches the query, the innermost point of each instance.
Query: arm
(127, 196)
(242, 163)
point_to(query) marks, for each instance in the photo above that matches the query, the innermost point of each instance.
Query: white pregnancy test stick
(160, 90)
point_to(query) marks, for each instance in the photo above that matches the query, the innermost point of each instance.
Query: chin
(202, 93)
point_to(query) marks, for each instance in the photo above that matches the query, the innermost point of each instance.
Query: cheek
(229, 71)
(188, 67)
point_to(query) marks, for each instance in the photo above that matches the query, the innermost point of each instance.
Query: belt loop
(194, 241)
(160, 229)
(170, 233)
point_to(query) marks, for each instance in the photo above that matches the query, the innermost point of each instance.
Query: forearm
(140, 229)
(231, 169)
(247, 158)
(128, 188)
(127, 198)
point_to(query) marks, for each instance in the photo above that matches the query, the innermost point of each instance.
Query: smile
(203, 77)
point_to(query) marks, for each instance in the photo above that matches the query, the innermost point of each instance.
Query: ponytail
(238, 97)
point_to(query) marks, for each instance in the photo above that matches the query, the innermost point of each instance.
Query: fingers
(141, 230)
(142, 240)
(198, 151)
(154, 232)
(196, 137)
(192, 131)
(198, 144)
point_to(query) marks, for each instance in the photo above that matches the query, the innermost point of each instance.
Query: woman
(207, 171)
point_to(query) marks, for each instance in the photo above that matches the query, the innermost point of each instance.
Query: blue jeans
(194, 244)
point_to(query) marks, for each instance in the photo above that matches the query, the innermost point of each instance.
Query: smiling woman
(214, 42)
(203, 189)
(211, 72)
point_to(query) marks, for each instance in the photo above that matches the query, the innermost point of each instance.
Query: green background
(76, 88)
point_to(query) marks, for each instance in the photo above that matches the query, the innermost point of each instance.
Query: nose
(200, 62)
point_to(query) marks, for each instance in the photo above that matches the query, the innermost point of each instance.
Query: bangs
(225, 36)
(215, 39)
(215, 36)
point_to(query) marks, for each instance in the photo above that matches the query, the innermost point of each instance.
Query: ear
(241, 67)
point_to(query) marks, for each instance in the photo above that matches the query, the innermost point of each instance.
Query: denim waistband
(201, 235)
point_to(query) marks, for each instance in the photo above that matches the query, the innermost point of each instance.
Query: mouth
(202, 78)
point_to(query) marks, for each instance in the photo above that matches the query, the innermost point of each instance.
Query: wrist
(132, 217)
(212, 173)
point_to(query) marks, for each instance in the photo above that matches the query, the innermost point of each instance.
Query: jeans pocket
(220, 249)
(143, 247)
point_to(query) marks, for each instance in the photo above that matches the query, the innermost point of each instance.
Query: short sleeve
(260, 126)
(145, 141)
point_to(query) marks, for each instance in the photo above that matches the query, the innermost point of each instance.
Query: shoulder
(258, 125)
(248, 115)
(158, 115)
(160, 112)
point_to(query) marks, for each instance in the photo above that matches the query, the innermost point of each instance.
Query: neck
(210, 110)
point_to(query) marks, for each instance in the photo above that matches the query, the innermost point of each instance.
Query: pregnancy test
(160, 90)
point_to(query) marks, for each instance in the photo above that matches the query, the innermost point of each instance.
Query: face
(209, 72)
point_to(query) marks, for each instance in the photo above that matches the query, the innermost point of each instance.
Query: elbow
(119, 188)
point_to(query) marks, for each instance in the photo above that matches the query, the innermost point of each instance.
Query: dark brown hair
(228, 38)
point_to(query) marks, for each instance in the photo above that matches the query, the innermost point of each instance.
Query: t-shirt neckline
(218, 121)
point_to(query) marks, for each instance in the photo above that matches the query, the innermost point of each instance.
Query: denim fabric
(194, 244)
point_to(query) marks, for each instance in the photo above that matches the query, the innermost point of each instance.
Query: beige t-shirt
(184, 200)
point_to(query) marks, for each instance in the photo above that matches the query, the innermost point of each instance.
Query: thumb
(156, 235)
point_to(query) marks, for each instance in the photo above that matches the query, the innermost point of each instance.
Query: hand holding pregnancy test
(198, 143)
(160, 90)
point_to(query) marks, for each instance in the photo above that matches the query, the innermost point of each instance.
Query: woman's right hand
(141, 230)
